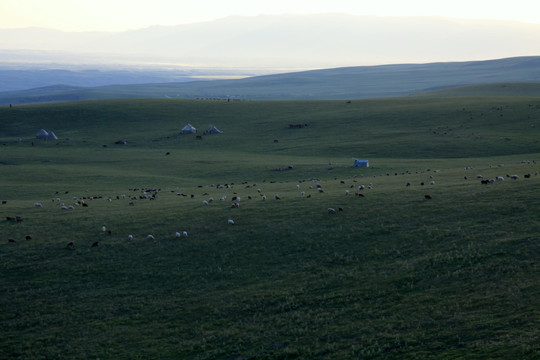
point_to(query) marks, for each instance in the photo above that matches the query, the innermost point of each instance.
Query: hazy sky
(120, 15)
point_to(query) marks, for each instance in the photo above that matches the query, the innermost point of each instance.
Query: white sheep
(331, 211)
(184, 233)
(130, 237)
(500, 178)
(177, 234)
(432, 182)
(303, 193)
(230, 222)
(205, 202)
(38, 204)
(150, 237)
(346, 192)
(103, 228)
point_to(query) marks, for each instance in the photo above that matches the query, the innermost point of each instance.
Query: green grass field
(393, 275)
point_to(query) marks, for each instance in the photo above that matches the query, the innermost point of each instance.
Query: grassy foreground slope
(393, 275)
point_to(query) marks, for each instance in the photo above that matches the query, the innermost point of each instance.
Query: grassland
(393, 275)
(513, 76)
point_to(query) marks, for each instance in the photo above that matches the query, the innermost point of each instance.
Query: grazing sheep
(130, 237)
(346, 192)
(408, 183)
(230, 222)
(177, 234)
(263, 197)
(70, 244)
(205, 202)
(11, 240)
(500, 178)
(28, 237)
(184, 233)
(150, 237)
(95, 244)
(432, 183)
(340, 209)
(276, 196)
(331, 211)
(515, 177)
(38, 205)
(526, 176)
(103, 228)
(428, 197)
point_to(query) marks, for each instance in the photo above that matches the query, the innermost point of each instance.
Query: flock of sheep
(222, 192)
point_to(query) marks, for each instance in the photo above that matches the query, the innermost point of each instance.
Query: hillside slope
(328, 84)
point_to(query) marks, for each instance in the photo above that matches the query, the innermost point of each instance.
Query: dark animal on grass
(70, 244)
(11, 240)
(527, 176)
(28, 237)
(428, 197)
(95, 244)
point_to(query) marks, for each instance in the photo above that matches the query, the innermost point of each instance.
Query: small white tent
(214, 130)
(361, 163)
(51, 136)
(188, 129)
(42, 134)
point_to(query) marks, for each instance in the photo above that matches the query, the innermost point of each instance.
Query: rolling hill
(328, 84)
(391, 274)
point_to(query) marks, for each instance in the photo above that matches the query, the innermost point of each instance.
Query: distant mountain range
(337, 83)
(289, 41)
